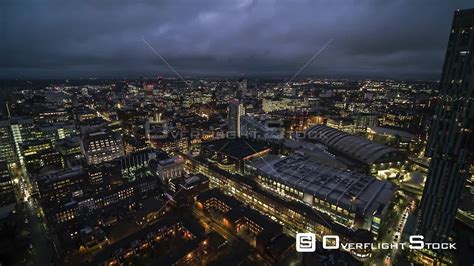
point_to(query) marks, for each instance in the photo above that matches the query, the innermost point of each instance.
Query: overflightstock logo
(305, 242)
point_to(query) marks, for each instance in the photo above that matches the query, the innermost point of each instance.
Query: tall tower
(235, 111)
(450, 144)
(242, 89)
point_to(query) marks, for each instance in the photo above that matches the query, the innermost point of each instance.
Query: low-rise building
(266, 234)
(231, 154)
(371, 155)
(351, 199)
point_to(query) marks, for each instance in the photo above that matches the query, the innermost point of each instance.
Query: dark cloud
(51, 38)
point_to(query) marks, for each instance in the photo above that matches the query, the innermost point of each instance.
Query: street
(43, 250)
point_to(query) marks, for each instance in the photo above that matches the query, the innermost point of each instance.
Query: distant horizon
(225, 76)
(51, 39)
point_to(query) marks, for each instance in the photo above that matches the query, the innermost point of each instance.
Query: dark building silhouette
(450, 144)
(242, 89)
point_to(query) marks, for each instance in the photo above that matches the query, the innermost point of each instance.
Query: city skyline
(282, 163)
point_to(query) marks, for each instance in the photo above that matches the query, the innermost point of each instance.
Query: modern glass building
(450, 143)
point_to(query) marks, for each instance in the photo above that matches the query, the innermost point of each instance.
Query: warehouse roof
(342, 188)
(353, 146)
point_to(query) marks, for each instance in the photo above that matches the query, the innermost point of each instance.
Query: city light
(257, 132)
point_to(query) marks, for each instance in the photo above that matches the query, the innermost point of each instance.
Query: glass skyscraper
(450, 144)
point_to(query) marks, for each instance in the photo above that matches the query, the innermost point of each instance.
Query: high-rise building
(242, 89)
(22, 130)
(148, 89)
(236, 110)
(39, 153)
(7, 194)
(7, 146)
(153, 87)
(58, 187)
(159, 86)
(451, 140)
(102, 146)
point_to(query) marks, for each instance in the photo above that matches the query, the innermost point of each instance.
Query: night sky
(104, 38)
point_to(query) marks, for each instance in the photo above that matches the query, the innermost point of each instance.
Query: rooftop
(349, 190)
(149, 205)
(393, 132)
(360, 235)
(194, 180)
(236, 148)
(217, 194)
(239, 211)
(353, 146)
(63, 174)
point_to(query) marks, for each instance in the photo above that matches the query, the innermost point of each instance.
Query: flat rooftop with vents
(351, 191)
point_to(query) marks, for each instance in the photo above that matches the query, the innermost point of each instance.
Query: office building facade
(451, 140)
(235, 112)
